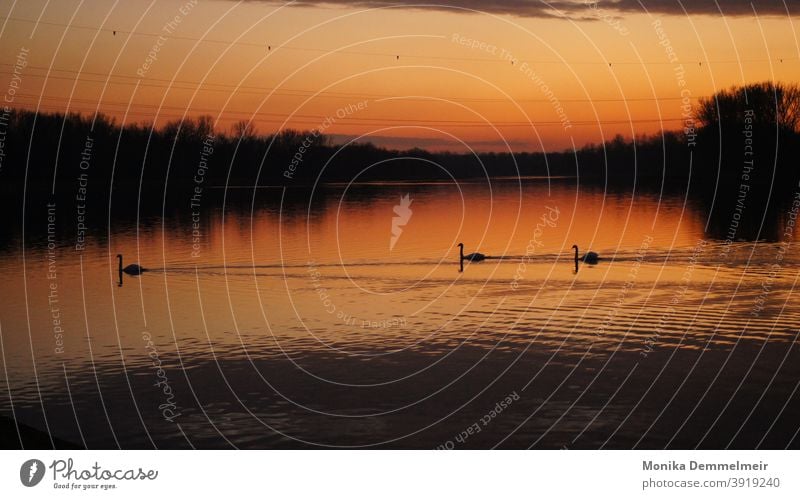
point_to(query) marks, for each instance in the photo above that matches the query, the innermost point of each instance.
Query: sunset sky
(523, 75)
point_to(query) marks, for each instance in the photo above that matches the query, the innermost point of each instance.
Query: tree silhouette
(243, 130)
(773, 105)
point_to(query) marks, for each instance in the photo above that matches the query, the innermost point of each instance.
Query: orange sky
(453, 82)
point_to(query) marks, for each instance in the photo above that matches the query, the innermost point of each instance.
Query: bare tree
(243, 129)
(203, 127)
(190, 128)
(769, 104)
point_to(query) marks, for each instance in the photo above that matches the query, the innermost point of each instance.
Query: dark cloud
(579, 9)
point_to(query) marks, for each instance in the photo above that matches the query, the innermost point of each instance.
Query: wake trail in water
(653, 258)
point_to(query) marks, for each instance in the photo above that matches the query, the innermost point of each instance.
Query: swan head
(461, 245)
(575, 246)
(119, 256)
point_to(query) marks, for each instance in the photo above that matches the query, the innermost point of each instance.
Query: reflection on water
(280, 319)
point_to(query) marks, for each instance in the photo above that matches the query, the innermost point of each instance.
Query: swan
(132, 269)
(472, 257)
(590, 257)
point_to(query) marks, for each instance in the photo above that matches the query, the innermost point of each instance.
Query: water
(286, 320)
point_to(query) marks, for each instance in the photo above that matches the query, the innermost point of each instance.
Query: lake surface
(275, 318)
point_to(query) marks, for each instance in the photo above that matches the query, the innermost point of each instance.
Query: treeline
(53, 147)
(756, 124)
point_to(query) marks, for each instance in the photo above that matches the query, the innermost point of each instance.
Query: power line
(397, 56)
(264, 113)
(314, 120)
(264, 45)
(190, 85)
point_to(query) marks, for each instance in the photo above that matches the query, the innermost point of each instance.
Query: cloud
(578, 9)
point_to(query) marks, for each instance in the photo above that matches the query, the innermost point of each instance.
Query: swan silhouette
(132, 269)
(590, 257)
(472, 257)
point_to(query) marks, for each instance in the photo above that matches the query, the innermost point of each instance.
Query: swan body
(475, 257)
(472, 257)
(590, 257)
(132, 269)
